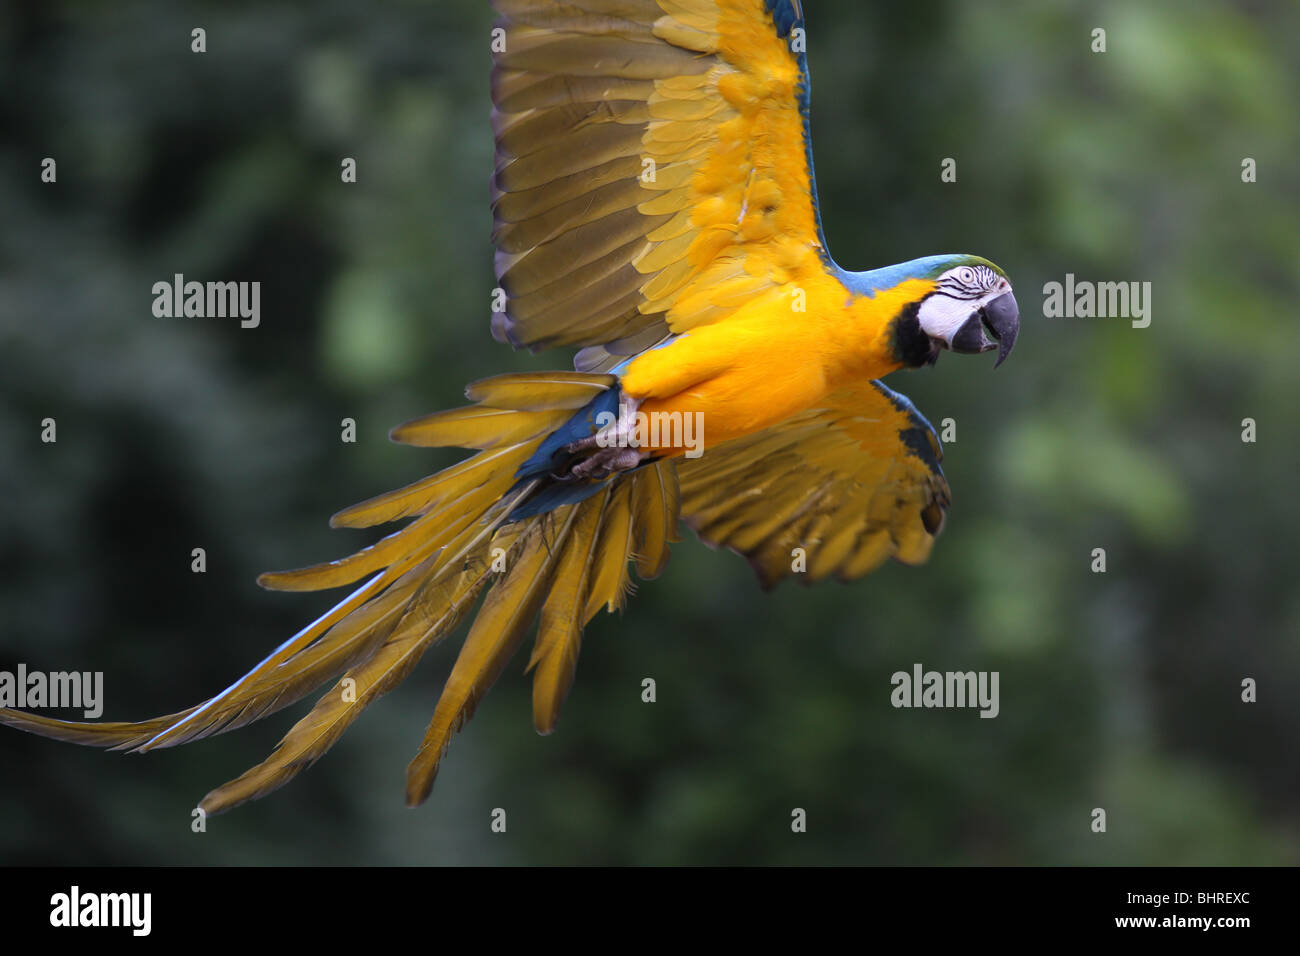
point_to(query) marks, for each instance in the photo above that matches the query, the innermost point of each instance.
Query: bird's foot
(605, 462)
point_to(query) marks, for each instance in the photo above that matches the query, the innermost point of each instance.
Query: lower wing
(833, 491)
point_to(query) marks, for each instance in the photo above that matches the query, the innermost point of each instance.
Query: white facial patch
(941, 315)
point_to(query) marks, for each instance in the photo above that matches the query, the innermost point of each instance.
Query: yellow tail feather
(561, 566)
(312, 736)
(559, 629)
(539, 391)
(609, 564)
(488, 468)
(478, 426)
(656, 503)
(498, 630)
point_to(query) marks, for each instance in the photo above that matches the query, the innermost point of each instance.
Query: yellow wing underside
(652, 168)
(832, 492)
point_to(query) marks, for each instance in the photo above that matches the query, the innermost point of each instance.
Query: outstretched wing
(653, 169)
(851, 484)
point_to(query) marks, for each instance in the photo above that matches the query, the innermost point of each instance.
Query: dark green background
(1118, 690)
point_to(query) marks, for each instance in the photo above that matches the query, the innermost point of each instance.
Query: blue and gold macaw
(655, 207)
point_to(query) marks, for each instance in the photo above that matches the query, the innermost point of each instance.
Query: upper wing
(850, 484)
(653, 169)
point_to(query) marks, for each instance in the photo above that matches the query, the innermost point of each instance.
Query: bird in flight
(655, 208)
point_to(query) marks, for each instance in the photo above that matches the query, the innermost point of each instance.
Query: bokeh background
(1118, 690)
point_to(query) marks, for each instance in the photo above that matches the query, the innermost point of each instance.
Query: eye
(966, 274)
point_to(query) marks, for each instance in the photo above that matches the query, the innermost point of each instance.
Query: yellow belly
(732, 379)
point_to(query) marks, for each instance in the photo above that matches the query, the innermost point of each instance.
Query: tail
(477, 527)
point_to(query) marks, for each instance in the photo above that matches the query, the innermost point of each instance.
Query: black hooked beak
(1000, 318)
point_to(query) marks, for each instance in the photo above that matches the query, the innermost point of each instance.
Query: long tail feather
(658, 506)
(559, 631)
(498, 630)
(350, 643)
(608, 574)
(478, 426)
(109, 734)
(539, 391)
(312, 736)
(493, 468)
(562, 565)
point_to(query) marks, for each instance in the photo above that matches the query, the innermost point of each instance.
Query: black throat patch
(912, 346)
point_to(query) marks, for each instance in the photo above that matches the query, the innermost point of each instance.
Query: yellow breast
(774, 357)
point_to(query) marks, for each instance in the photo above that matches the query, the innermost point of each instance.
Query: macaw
(655, 207)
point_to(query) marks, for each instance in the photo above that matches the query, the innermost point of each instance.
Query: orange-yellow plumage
(654, 205)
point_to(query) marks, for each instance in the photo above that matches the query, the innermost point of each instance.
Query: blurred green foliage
(1118, 690)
